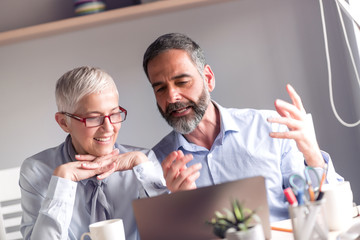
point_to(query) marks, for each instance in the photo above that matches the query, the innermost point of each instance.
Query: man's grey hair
(78, 83)
(171, 41)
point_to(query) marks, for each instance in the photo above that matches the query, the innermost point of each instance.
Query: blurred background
(255, 47)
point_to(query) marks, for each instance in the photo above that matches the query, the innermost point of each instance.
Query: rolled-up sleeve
(47, 217)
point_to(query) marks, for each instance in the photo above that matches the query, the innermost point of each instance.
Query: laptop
(183, 215)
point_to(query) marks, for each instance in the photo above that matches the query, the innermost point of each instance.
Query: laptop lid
(183, 215)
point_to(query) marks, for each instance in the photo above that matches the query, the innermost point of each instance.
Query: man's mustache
(178, 105)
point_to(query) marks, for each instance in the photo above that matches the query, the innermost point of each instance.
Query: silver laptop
(183, 215)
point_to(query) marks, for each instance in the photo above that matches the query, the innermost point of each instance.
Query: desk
(279, 235)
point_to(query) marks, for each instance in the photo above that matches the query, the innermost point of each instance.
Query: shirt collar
(227, 124)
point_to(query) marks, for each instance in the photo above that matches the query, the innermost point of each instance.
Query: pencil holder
(309, 221)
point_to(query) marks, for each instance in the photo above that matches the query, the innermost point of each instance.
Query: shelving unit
(82, 22)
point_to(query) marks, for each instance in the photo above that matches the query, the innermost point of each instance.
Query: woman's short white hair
(78, 83)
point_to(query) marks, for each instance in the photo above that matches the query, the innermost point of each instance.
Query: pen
(321, 194)
(310, 187)
(281, 229)
(300, 197)
(290, 196)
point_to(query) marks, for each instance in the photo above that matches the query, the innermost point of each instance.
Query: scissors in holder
(313, 182)
(298, 185)
(308, 186)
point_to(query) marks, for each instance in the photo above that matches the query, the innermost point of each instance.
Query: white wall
(255, 47)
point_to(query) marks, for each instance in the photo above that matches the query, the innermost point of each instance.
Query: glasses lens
(94, 121)
(117, 117)
(97, 121)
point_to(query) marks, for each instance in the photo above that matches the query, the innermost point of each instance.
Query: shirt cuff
(61, 189)
(151, 178)
(59, 204)
(331, 176)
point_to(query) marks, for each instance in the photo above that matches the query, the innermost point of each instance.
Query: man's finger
(189, 182)
(181, 155)
(183, 175)
(286, 109)
(291, 123)
(295, 98)
(286, 135)
(180, 163)
(166, 163)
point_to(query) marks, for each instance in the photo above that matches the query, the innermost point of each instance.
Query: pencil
(281, 229)
(323, 177)
(311, 192)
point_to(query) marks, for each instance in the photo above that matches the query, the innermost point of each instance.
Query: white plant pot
(256, 232)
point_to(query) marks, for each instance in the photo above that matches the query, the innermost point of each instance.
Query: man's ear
(61, 120)
(209, 78)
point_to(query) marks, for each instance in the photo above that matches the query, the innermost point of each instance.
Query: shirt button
(209, 155)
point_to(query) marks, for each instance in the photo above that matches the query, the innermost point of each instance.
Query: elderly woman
(68, 187)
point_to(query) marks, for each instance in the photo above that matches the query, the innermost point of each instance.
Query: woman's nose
(107, 123)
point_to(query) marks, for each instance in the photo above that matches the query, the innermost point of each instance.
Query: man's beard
(187, 124)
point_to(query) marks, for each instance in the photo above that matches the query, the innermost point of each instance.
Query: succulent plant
(238, 219)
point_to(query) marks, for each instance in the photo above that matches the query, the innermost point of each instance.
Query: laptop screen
(183, 215)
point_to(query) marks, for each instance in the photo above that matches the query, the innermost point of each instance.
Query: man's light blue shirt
(243, 149)
(58, 208)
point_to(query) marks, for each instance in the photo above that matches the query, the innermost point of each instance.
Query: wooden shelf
(82, 22)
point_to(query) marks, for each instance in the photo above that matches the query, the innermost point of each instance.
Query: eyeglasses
(98, 121)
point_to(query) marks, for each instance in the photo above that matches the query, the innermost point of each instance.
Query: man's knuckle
(183, 175)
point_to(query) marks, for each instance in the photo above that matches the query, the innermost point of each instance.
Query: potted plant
(239, 223)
